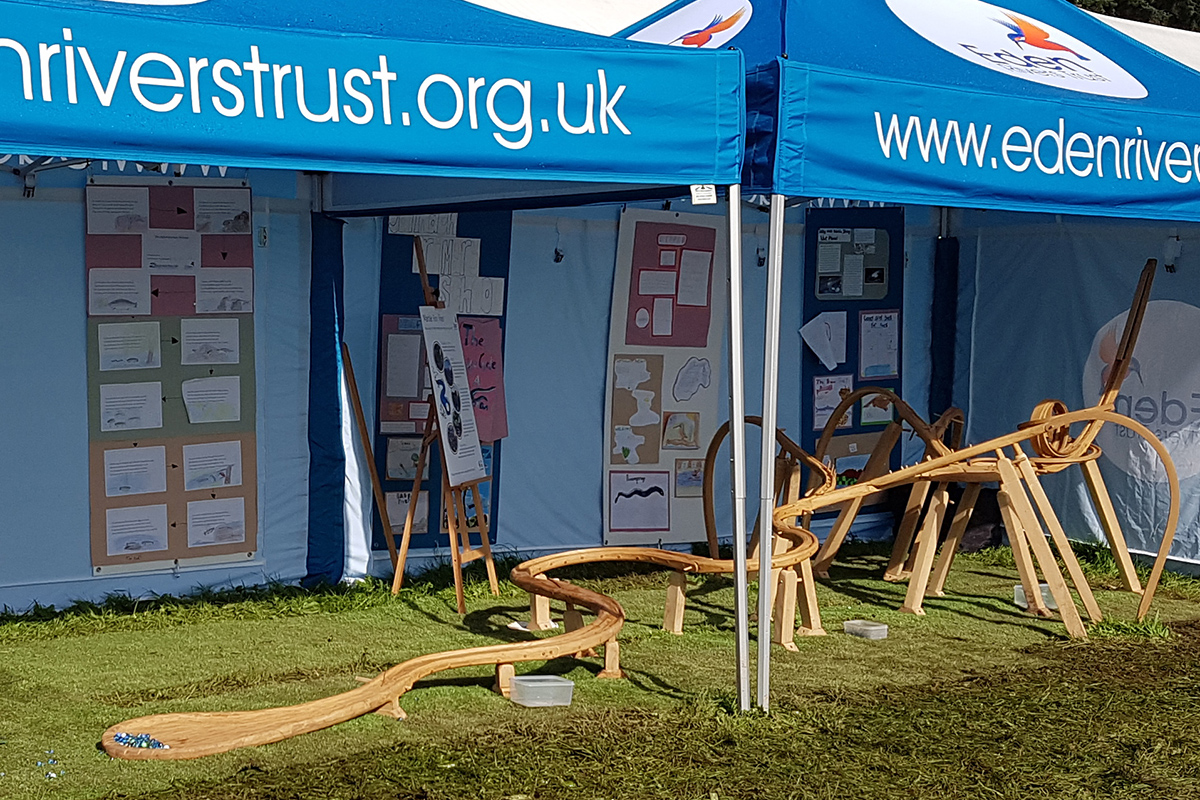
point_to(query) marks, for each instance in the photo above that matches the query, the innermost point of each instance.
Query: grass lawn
(974, 700)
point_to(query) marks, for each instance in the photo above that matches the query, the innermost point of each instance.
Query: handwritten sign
(481, 338)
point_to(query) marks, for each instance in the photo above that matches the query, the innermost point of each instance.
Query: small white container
(535, 691)
(865, 629)
(1047, 598)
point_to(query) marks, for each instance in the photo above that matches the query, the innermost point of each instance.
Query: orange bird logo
(704, 35)
(1025, 32)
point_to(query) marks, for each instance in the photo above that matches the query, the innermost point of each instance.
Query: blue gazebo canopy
(1034, 106)
(439, 87)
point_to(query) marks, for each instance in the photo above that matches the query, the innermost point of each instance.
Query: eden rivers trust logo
(1161, 390)
(1016, 44)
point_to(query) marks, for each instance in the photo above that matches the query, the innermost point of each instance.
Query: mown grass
(974, 700)
(1107, 720)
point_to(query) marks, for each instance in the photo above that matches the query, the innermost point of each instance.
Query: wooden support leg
(1020, 548)
(573, 621)
(612, 661)
(782, 473)
(411, 516)
(962, 517)
(676, 598)
(876, 466)
(1027, 519)
(837, 534)
(539, 612)
(926, 548)
(780, 547)
(392, 710)
(1112, 526)
(572, 618)
(1042, 553)
(364, 436)
(504, 676)
(810, 613)
(908, 529)
(783, 631)
(450, 504)
(1051, 521)
(481, 526)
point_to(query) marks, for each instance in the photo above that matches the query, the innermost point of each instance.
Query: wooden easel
(454, 498)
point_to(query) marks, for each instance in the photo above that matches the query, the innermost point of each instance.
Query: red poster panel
(670, 288)
(482, 339)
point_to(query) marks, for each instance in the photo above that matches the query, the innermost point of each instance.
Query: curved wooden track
(192, 735)
(972, 464)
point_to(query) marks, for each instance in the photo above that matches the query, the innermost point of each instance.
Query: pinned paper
(825, 335)
(704, 194)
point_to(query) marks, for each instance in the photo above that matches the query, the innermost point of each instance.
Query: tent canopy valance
(1033, 105)
(440, 88)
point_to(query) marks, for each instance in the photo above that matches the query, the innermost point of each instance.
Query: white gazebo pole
(766, 536)
(737, 446)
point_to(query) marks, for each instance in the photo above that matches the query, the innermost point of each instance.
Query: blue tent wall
(327, 467)
(1036, 289)
(44, 491)
(684, 113)
(553, 457)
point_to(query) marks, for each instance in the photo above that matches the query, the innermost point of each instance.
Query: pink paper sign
(482, 339)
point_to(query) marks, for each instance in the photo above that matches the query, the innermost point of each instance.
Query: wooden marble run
(192, 735)
(1004, 460)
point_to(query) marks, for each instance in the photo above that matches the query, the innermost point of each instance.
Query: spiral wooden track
(193, 735)
(989, 461)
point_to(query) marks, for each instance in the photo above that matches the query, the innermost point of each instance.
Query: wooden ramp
(192, 735)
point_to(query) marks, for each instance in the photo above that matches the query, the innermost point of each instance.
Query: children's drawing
(636, 432)
(627, 444)
(682, 431)
(644, 415)
(129, 345)
(216, 522)
(639, 501)
(876, 410)
(397, 508)
(827, 394)
(631, 372)
(689, 477)
(693, 376)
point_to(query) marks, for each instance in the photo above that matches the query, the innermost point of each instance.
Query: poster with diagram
(663, 402)
(459, 436)
(171, 378)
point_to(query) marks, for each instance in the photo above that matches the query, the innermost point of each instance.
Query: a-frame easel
(454, 498)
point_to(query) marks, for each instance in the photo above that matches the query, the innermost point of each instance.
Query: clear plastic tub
(536, 691)
(1047, 598)
(865, 629)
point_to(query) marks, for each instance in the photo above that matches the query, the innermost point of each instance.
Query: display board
(171, 380)
(662, 403)
(475, 243)
(452, 396)
(853, 290)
